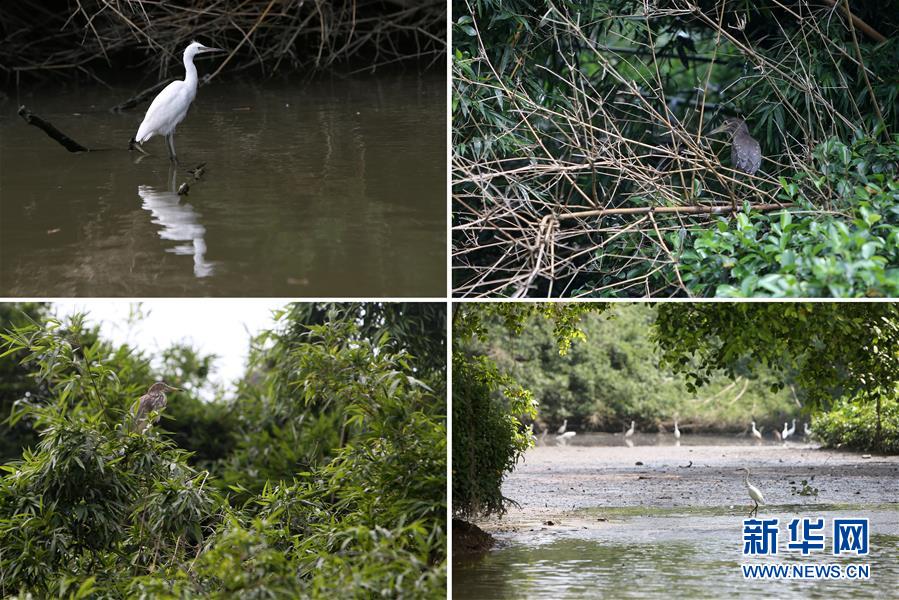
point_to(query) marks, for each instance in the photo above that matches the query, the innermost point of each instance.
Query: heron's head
(195, 48)
(161, 386)
(730, 125)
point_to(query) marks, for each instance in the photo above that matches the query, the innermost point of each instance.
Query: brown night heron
(745, 152)
(152, 401)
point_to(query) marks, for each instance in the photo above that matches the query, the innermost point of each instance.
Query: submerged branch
(48, 128)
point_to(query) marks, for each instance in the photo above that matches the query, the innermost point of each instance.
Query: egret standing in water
(676, 431)
(754, 493)
(170, 107)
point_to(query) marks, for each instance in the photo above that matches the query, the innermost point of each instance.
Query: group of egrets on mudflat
(787, 432)
(563, 435)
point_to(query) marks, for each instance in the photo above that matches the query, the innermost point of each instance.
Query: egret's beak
(206, 49)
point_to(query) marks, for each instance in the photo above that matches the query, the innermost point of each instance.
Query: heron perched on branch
(152, 401)
(745, 152)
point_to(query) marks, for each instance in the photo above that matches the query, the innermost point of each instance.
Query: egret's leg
(170, 138)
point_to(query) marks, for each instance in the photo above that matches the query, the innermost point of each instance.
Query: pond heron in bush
(152, 401)
(170, 107)
(754, 493)
(745, 152)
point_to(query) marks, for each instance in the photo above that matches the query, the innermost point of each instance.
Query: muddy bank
(560, 483)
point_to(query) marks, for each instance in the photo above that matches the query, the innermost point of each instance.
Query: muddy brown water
(593, 523)
(326, 188)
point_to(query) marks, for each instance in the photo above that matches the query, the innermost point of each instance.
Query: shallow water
(666, 555)
(333, 188)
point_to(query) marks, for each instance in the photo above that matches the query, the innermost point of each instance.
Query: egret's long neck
(190, 71)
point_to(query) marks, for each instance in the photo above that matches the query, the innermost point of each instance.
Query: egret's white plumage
(562, 429)
(754, 493)
(755, 432)
(792, 429)
(805, 429)
(676, 430)
(786, 432)
(568, 434)
(630, 431)
(170, 106)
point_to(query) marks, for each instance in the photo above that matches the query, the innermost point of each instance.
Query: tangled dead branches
(71, 37)
(581, 159)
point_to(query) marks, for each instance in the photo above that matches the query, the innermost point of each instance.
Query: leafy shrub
(853, 425)
(806, 253)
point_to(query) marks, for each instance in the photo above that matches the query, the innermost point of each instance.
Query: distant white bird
(562, 429)
(630, 431)
(792, 429)
(805, 429)
(786, 433)
(562, 440)
(754, 493)
(170, 107)
(755, 432)
(676, 431)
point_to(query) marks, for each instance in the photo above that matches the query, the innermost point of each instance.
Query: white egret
(170, 107)
(562, 440)
(676, 431)
(792, 428)
(805, 430)
(755, 432)
(562, 429)
(754, 493)
(786, 432)
(630, 431)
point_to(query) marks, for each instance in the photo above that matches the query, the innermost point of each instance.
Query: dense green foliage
(615, 376)
(15, 382)
(834, 351)
(567, 107)
(854, 425)
(356, 506)
(488, 436)
(852, 252)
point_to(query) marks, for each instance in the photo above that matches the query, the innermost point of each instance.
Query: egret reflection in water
(179, 222)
